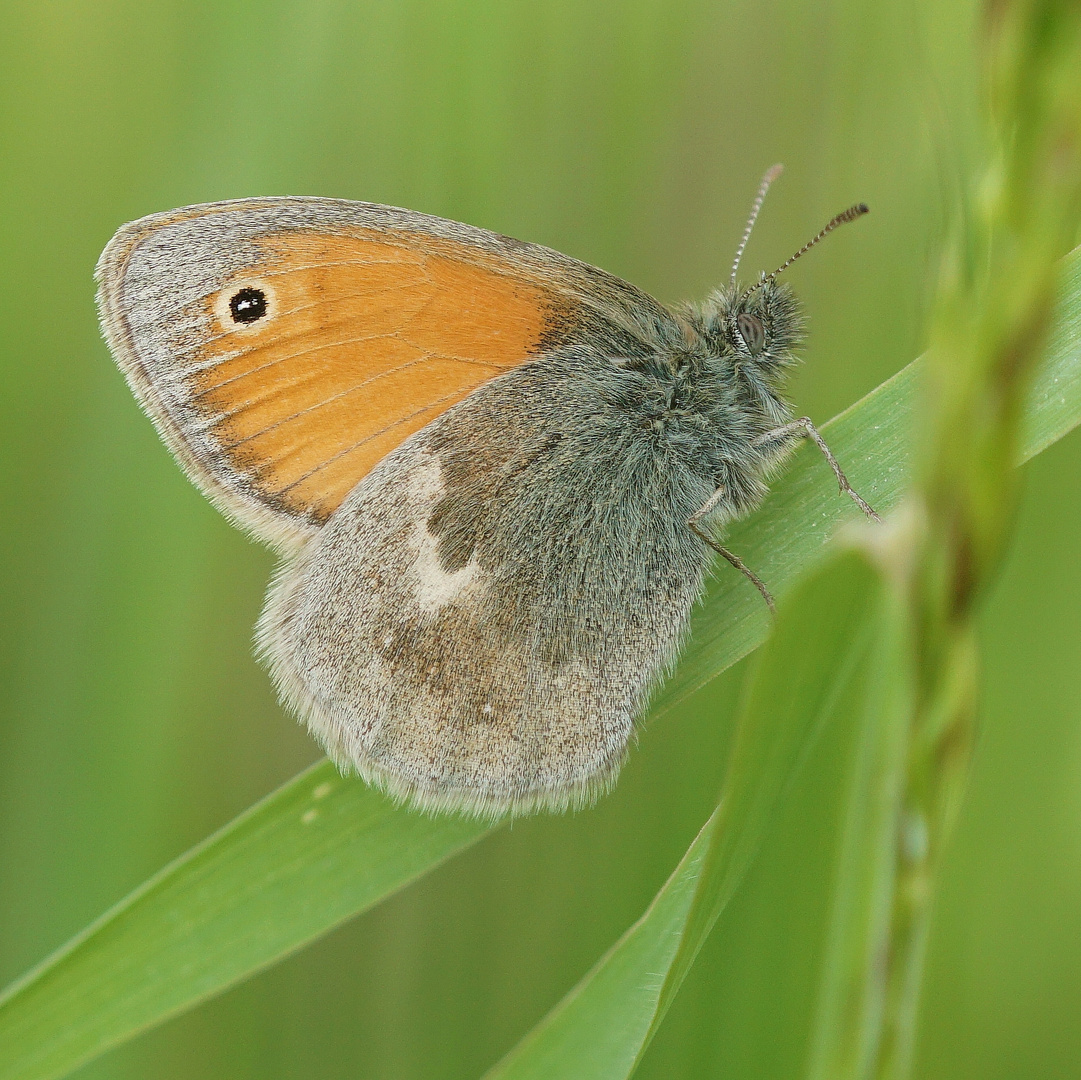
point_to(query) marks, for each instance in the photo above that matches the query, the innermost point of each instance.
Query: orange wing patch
(364, 342)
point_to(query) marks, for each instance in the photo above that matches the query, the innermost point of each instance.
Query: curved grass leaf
(269, 882)
(805, 677)
(595, 1030)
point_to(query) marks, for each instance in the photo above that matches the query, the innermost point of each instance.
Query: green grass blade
(267, 884)
(596, 1030)
(852, 990)
(1054, 400)
(802, 681)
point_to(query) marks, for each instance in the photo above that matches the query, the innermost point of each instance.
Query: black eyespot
(248, 305)
(752, 331)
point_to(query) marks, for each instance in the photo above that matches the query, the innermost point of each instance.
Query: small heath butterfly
(493, 473)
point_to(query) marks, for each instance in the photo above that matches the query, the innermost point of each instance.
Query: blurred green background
(631, 134)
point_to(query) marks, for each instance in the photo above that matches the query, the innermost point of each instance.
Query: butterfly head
(753, 330)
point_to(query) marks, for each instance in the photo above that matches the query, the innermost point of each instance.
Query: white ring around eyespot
(224, 313)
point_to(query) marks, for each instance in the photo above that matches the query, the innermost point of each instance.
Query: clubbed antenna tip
(842, 218)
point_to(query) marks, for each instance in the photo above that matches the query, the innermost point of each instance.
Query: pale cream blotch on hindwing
(435, 586)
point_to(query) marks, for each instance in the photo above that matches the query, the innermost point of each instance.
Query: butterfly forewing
(283, 347)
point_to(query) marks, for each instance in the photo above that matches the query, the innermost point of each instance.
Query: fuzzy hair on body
(478, 624)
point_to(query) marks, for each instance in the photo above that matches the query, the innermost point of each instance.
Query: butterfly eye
(752, 331)
(248, 305)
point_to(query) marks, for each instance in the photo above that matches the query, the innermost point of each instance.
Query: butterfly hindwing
(479, 623)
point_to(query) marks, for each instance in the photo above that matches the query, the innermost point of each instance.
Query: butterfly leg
(735, 560)
(803, 428)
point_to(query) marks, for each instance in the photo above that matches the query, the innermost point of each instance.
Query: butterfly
(494, 474)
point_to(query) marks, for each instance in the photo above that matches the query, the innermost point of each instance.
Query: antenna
(771, 175)
(842, 218)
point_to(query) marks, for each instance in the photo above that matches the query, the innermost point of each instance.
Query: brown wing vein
(367, 438)
(330, 345)
(318, 405)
